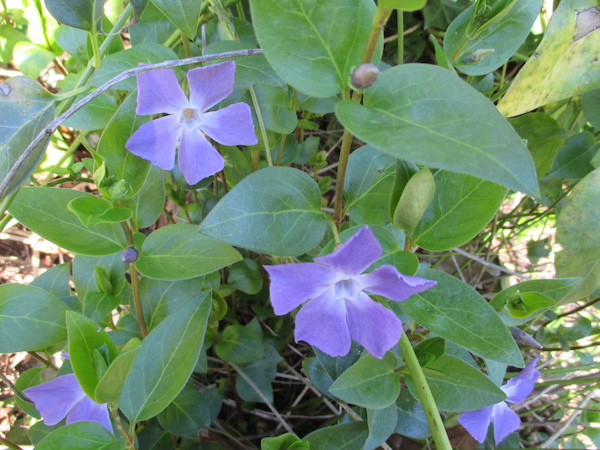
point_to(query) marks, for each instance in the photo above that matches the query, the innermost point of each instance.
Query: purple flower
(187, 121)
(337, 308)
(505, 420)
(62, 397)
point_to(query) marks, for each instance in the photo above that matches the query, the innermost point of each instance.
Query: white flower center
(190, 118)
(346, 289)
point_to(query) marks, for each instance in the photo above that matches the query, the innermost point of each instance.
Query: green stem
(3, 207)
(114, 411)
(379, 21)
(9, 444)
(400, 27)
(261, 125)
(434, 419)
(135, 286)
(340, 177)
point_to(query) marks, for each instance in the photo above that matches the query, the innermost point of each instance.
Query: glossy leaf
(183, 13)
(427, 115)
(276, 210)
(405, 5)
(528, 303)
(462, 206)
(563, 65)
(455, 311)
(412, 421)
(85, 267)
(274, 107)
(327, 48)
(574, 159)
(111, 383)
(121, 164)
(81, 436)
(371, 383)
(381, 425)
(84, 14)
(458, 386)
(93, 116)
(55, 280)
(26, 308)
(178, 252)
(345, 436)
(147, 205)
(416, 197)
(96, 305)
(26, 109)
(369, 180)
(44, 211)
(504, 38)
(165, 361)
(94, 210)
(85, 339)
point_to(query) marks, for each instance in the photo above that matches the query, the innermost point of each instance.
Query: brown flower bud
(364, 76)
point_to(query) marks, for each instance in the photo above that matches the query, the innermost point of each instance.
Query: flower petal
(156, 141)
(159, 92)
(197, 158)
(518, 388)
(230, 126)
(388, 282)
(372, 325)
(505, 420)
(322, 323)
(293, 284)
(88, 410)
(54, 398)
(211, 84)
(477, 422)
(355, 255)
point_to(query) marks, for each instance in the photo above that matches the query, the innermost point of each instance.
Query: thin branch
(489, 264)
(53, 125)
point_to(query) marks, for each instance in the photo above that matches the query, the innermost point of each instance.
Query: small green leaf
(527, 303)
(27, 308)
(111, 383)
(286, 441)
(26, 110)
(94, 210)
(81, 436)
(178, 252)
(345, 436)
(429, 350)
(241, 344)
(370, 382)
(404, 5)
(276, 210)
(84, 14)
(414, 201)
(164, 362)
(184, 14)
(427, 115)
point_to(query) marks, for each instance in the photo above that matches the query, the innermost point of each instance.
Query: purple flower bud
(130, 255)
(364, 76)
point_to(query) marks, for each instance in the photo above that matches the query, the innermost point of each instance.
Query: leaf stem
(400, 15)
(434, 419)
(261, 125)
(135, 286)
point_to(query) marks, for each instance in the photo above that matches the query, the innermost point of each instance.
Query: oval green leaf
(24, 309)
(276, 210)
(81, 436)
(179, 252)
(44, 211)
(427, 115)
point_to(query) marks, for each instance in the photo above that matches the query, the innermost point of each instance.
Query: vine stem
(126, 74)
(135, 286)
(434, 419)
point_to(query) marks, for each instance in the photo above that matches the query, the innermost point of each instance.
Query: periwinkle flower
(63, 396)
(188, 121)
(505, 420)
(338, 308)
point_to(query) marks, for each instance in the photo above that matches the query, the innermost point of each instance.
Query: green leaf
(44, 211)
(165, 361)
(31, 58)
(85, 337)
(286, 441)
(276, 210)
(27, 308)
(148, 203)
(241, 344)
(96, 305)
(405, 5)
(190, 412)
(563, 65)
(504, 38)
(317, 375)
(381, 425)
(153, 26)
(427, 115)
(115, 63)
(412, 421)
(429, 350)
(26, 110)
(327, 49)
(345, 436)
(183, 13)
(528, 303)
(416, 197)
(369, 180)
(574, 159)
(245, 276)
(178, 252)
(590, 104)
(111, 383)
(544, 137)
(81, 436)
(371, 383)
(93, 116)
(456, 311)
(85, 269)
(277, 115)
(262, 373)
(462, 206)
(121, 164)
(55, 280)
(94, 210)
(458, 386)
(84, 14)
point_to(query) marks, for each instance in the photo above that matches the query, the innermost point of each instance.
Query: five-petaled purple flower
(505, 420)
(187, 121)
(338, 309)
(62, 397)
